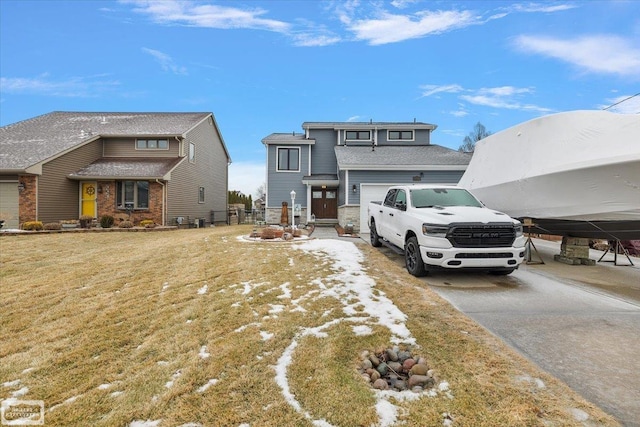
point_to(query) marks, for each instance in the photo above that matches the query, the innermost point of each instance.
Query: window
(192, 152)
(132, 194)
(152, 144)
(400, 135)
(357, 135)
(391, 197)
(201, 195)
(288, 159)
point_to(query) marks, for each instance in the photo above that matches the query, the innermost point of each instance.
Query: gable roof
(30, 142)
(404, 157)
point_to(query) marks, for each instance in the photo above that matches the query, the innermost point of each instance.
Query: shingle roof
(133, 168)
(286, 138)
(368, 125)
(29, 142)
(385, 157)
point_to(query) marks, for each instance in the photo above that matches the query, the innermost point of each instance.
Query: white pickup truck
(445, 226)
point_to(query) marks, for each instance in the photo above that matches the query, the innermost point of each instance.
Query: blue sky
(268, 66)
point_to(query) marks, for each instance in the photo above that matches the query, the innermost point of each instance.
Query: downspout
(164, 201)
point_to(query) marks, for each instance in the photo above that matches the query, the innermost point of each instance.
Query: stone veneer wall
(28, 199)
(272, 216)
(349, 214)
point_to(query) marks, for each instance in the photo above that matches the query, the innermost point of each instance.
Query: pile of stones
(395, 369)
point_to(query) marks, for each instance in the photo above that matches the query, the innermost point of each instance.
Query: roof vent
(104, 120)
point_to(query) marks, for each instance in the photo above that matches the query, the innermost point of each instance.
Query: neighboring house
(335, 169)
(158, 166)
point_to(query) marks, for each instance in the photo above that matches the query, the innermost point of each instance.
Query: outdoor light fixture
(293, 198)
(354, 188)
(21, 186)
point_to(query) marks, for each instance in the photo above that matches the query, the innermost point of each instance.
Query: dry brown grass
(97, 324)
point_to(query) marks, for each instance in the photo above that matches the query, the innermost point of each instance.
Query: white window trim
(192, 159)
(152, 149)
(201, 190)
(413, 133)
(358, 130)
(278, 159)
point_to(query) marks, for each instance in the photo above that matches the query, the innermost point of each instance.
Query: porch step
(325, 222)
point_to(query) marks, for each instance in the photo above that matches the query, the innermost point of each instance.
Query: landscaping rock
(406, 372)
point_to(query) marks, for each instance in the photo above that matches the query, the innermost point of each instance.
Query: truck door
(385, 210)
(395, 219)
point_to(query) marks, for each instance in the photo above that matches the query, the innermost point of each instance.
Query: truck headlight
(435, 230)
(518, 229)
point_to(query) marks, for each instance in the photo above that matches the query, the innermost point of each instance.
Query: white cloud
(246, 177)
(390, 28)
(195, 14)
(506, 97)
(78, 87)
(429, 90)
(605, 54)
(165, 61)
(542, 7)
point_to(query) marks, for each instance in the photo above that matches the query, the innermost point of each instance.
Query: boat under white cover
(575, 173)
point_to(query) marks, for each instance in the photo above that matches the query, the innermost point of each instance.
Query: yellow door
(88, 202)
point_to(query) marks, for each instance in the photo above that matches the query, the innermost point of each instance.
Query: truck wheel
(413, 259)
(375, 239)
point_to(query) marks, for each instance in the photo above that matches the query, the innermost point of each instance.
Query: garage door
(9, 204)
(369, 193)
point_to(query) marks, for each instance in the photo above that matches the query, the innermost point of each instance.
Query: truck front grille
(481, 235)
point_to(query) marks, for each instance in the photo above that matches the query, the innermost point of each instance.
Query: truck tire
(375, 239)
(413, 258)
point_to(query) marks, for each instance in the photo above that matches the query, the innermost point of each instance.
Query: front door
(324, 203)
(88, 203)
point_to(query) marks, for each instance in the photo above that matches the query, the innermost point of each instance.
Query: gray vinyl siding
(399, 177)
(323, 156)
(59, 196)
(281, 183)
(209, 171)
(126, 147)
(420, 137)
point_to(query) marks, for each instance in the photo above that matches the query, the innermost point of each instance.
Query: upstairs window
(192, 152)
(400, 135)
(132, 194)
(357, 135)
(288, 159)
(152, 144)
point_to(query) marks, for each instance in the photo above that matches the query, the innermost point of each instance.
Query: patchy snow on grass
(355, 290)
(205, 387)
(203, 290)
(266, 336)
(104, 386)
(174, 377)
(20, 393)
(66, 402)
(147, 423)
(203, 352)
(362, 330)
(14, 383)
(286, 293)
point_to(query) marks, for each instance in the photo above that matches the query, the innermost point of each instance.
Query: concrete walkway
(320, 232)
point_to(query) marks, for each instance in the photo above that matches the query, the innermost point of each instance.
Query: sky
(265, 66)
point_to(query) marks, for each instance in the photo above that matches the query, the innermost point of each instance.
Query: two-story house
(167, 167)
(336, 168)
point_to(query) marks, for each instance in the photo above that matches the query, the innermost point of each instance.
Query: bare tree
(469, 143)
(260, 191)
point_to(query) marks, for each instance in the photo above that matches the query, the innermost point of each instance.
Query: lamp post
(293, 198)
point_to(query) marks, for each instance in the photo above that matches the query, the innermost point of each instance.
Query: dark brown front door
(324, 203)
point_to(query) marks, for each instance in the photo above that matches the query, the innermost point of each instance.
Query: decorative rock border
(396, 369)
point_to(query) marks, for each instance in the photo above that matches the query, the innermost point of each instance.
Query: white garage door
(9, 204)
(370, 193)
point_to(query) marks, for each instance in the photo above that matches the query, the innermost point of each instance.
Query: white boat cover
(579, 165)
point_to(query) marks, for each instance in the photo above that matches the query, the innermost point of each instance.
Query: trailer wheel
(375, 239)
(413, 259)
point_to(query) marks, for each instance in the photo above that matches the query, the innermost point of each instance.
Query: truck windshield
(430, 197)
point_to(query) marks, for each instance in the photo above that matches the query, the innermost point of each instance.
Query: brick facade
(27, 199)
(107, 203)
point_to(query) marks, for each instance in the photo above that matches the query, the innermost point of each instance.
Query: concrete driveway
(579, 323)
